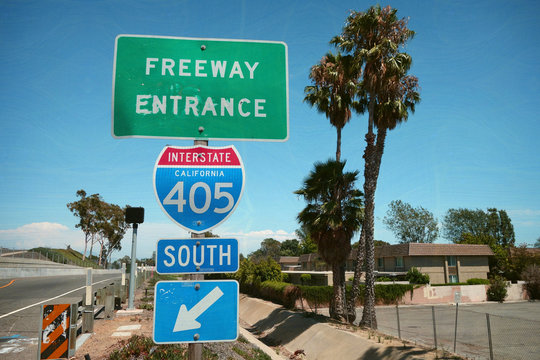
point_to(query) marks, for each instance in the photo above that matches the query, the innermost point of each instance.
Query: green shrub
(285, 277)
(316, 296)
(497, 289)
(268, 270)
(305, 279)
(280, 292)
(384, 279)
(414, 276)
(391, 293)
(531, 275)
(476, 281)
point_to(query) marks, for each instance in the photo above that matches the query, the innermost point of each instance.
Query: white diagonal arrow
(186, 320)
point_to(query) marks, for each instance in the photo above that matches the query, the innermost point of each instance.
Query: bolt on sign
(209, 89)
(57, 335)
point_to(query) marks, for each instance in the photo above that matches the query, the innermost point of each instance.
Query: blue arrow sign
(188, 256)
(198, 187)
(195, 311)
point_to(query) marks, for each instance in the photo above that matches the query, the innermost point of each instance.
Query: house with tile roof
(444, 263)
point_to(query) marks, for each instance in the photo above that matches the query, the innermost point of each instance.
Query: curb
(266, 349)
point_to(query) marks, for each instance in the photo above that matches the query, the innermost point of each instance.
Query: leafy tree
(101, 222)
(411, 225)
(269, 248)
(332, 215)
(356, 245)
(537, 243)
(307, 245)
(112, 230)
(290, 247)
(531, 275)
(86, 209)
(335, 81)
(500, 227)
(375, 39)
(494, 223)
(268, 269)
(380, 243)
(493, 228)
(519, 259)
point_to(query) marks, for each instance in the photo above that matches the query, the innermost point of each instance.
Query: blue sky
(472, 143)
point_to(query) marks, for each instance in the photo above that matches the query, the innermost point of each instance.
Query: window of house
(380, 262)
(453, 279)
(451, 260)
(399, 261)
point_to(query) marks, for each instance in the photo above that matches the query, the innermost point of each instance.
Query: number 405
(218, 194)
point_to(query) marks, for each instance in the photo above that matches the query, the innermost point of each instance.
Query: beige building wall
(472, 267)
(431, 265)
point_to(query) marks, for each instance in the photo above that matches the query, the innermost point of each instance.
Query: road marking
(11, 282)
(53, 298)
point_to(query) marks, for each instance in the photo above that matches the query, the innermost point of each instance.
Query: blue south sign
(189, 256)
(198, 187)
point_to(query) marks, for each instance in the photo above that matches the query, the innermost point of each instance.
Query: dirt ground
(102, 343)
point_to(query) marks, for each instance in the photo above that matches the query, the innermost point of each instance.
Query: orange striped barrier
(55, 331)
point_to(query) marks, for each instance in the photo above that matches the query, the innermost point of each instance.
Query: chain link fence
(468, 331)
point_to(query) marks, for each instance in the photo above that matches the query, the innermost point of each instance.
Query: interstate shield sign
(198, 187)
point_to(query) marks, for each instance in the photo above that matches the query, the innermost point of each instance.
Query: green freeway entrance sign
(207, 89)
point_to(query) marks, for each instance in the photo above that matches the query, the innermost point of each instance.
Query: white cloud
(523, 213)
(43, 234)
(55, 235)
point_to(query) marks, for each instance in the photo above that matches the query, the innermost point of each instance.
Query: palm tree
(332, 215)
(333, 91)
(374, 38)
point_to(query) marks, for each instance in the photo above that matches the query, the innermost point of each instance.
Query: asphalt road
(515, 328)
(20, 308)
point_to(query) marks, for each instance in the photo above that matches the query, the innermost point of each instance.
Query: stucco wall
(471, 267)
(431, 265)
(469, 294)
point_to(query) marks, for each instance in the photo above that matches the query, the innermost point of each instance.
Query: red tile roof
(417, 249)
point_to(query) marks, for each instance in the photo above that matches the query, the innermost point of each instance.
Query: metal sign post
(135, 216)
(133, 268)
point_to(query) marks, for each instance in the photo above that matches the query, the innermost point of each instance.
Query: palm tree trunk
(358, 268)
(337, 310)
(338, 146)
(369, 317)
(370, 184)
